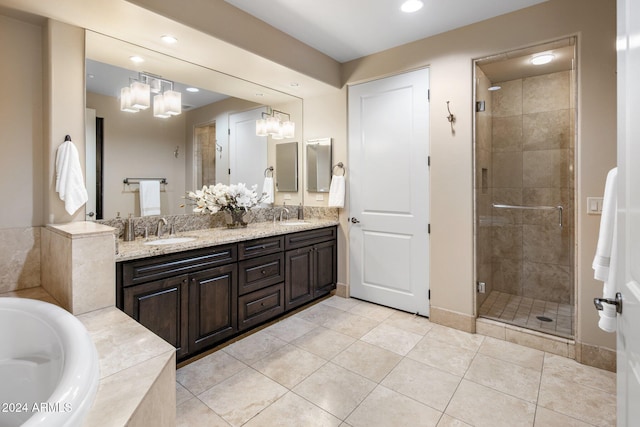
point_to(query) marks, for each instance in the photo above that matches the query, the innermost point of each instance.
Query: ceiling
(350, 29)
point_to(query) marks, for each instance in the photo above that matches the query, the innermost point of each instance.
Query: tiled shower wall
(531, 164)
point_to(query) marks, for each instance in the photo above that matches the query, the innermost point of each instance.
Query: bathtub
(48, 365)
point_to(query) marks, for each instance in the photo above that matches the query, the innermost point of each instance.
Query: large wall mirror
(212, 140)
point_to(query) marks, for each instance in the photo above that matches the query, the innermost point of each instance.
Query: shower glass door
(524, 187)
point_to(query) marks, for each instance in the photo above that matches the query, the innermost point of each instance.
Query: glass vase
(235, 218)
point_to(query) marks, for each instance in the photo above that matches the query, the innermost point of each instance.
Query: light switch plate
(287, 196)
(594, 205)
(319, 197)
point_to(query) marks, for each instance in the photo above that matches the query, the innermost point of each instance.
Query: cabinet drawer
(260, 306)
(259, 247)
(306, 238)
(148, 269)
(258, 273)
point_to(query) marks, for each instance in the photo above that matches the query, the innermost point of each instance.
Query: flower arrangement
(221, 197)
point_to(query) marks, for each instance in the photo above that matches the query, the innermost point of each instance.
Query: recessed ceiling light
(167, 38)
(544, 58)
(495, 87)
(411, 6)
(259, 94)
(136, 59)
(294, 84)
(91, 76)
(193, 89)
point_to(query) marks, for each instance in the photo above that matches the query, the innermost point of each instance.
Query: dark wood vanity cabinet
(310, 265)
(199, 298)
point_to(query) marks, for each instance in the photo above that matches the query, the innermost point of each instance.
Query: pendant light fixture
(137, 96)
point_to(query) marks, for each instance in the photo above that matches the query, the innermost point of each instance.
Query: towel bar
(137, 180)
(546, 208)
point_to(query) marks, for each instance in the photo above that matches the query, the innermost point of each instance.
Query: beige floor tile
(423, 383)
(293, 410)
(194, 413)
(437, 354)
(484, 407)
(449, 421)
(324, 342)
(455, 337)
(319, 313)
(514, 353)
(577, 401)
(241, 397)
(372, 311)
(254, 347)
(548, 418)
(340, 303)
(289, 365)
(335, 389)
(290, 328)
(392, 339)
(350, 324)
(506, 377)
(409, 322)
(208, 371)
(385, 407)
(570, 370)
(182, 394)
(368, 360)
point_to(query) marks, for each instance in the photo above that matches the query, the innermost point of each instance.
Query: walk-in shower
(524, 187)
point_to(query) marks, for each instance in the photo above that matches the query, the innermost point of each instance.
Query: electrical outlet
(319, 197)
(482, 287)
(287, 196)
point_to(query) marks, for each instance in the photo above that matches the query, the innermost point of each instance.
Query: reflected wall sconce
(272, 124)
(451, 118)
(137, 96)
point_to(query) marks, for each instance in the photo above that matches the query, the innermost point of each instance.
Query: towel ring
(267, 170)
(341, 166)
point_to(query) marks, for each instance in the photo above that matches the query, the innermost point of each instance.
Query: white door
(389, 191)
(247, 152)
(628, 345)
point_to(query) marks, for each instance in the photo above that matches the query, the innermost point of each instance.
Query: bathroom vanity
(198, 294)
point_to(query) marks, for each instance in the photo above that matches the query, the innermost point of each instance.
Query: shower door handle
(617, 302)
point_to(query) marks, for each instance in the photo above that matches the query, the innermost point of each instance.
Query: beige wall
(21, 118)
(449, 57)
(138, 145)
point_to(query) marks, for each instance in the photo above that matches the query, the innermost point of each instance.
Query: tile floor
(345, 362)
(522, 311)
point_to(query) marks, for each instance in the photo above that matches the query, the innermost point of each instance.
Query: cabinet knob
(264, 272)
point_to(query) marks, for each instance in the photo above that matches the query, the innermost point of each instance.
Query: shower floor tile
(527, 313)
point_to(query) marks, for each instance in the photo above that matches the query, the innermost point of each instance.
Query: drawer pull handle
(264, 272)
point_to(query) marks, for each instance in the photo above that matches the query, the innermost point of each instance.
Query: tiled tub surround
(19, 258)
(137, 369)
(524, 157)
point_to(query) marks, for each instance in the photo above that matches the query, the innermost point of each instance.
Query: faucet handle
(172, 230)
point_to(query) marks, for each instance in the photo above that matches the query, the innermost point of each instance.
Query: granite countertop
(214, 236)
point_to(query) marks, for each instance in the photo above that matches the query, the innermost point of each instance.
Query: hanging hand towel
(267, 189)
(149, 197)
(69, 181)
(604, 262)
(336, 191)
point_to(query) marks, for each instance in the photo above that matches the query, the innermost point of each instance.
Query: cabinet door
(213, 302)
(161, 306)
(298, 282)
(325, 268)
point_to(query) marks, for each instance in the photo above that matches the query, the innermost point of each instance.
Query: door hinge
(428, 95)
(428, 228)
(428, 160)
(229, 171)
(229, 131)
(429, 294)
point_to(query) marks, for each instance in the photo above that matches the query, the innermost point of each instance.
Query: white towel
(604, 262)
(69, 181)
(149, 197)
(336, 191)
(267, 189)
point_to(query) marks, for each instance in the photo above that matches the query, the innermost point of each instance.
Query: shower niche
(524, 150)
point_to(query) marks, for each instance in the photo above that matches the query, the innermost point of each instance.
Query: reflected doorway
(207, 146)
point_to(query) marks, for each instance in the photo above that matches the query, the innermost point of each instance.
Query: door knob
(90, 214)
(617, 302)
(354, 220)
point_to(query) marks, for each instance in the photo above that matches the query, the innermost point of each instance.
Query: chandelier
(137, 96)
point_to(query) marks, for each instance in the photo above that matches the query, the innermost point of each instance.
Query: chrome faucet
(283, 210)
(161, 223)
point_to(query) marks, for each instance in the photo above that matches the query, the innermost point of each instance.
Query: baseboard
(452, 319)
(598, 357)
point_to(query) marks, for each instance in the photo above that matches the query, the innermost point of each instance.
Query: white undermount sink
(170, 241)
(294, 222)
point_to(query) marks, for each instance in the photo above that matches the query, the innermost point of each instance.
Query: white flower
(224, 197)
